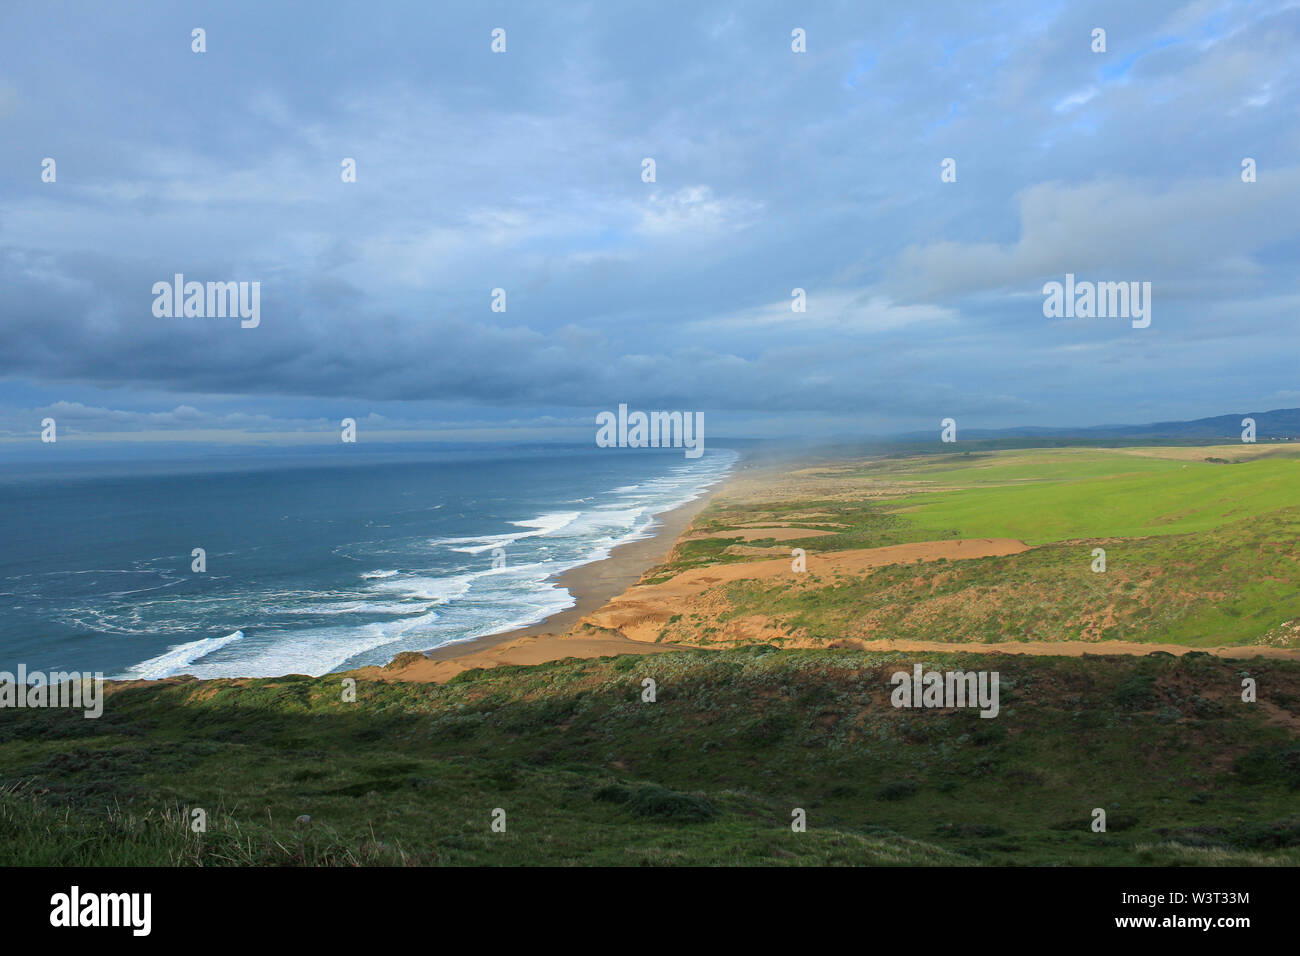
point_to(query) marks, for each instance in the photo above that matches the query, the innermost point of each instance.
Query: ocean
(315, 562)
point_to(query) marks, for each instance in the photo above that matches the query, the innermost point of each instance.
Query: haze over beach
(585, 435)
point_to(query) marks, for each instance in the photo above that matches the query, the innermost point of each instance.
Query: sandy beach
(592, 585)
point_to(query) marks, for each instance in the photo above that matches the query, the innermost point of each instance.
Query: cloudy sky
(522, 170)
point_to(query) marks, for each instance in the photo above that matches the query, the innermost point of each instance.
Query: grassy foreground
(709, 773)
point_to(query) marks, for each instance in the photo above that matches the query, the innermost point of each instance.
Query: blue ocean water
(314, 562)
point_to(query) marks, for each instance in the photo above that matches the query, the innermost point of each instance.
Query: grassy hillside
(1234, 585)
(1199, 552)
(709, 773)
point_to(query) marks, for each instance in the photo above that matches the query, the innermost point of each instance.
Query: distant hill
(1281, 423)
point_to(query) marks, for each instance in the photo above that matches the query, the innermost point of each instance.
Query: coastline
(614, 615)
(592, 586)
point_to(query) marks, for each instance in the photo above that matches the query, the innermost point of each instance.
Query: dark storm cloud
(775, 171)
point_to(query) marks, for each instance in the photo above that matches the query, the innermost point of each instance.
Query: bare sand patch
(641, 612)
(533, 649)
(523, 650)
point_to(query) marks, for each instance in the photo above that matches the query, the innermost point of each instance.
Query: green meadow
(1053, 496)
(587, 772)
(1198, 552)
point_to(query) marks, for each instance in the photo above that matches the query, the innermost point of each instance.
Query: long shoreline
(594, 584)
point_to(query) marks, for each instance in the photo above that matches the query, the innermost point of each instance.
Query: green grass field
(1053, 496)
(1198, 553)
(709, 773)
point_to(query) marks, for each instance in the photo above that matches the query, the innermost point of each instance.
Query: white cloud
(862, 311)
(1075, 100)
(693, 209)
(1140, 229)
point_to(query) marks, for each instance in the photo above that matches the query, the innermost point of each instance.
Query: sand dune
(641, 612)
(630, 623)
(532, 649)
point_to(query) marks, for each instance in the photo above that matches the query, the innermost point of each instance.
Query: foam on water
(376, 613)
(177, 660)
(438, 590)
(313, 652)
(540, 526)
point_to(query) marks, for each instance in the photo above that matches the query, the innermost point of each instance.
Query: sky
(522, 170)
